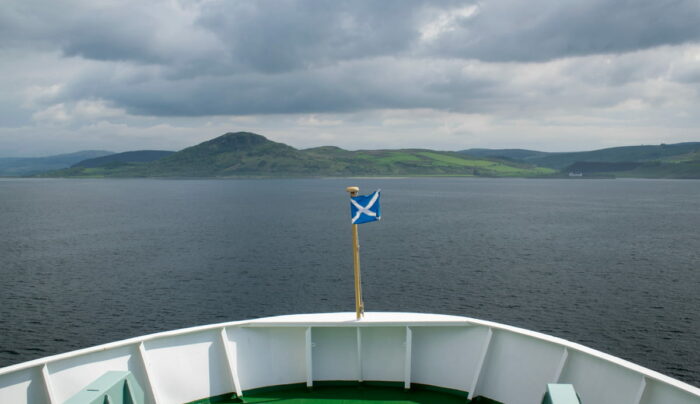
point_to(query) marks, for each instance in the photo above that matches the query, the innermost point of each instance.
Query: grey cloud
(689, 77)
(686, 71)
(128, 31)
(382, 83)
(99, 36)
(274, 36)
(266, 36)
(619, 70)
(347, 87)
(288, 56)
(542, 30)
(101, 33)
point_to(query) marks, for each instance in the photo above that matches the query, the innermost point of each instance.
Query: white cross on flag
(365, 208)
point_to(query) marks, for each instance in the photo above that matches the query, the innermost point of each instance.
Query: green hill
(680, 160)
(672, 153)
(117, 159)
(660, 169)
(245, 154)
(248, 154)
(21, 166)
(509, 154)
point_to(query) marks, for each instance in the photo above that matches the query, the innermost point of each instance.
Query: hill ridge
(251, 154)
(617, 154)
(135, 156)
(246, 154)
(22, 166)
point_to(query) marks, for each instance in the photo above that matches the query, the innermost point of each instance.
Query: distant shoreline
(249, 155)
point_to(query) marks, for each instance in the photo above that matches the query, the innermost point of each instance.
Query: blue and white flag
(365, 208)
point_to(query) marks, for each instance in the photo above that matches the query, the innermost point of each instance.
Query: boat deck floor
(348, 395)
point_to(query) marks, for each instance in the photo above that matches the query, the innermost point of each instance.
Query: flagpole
(359, 304)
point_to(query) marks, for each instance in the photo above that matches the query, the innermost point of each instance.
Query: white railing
(507, 364)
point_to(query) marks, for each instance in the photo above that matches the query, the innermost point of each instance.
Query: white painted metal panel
(561, 365)
(335, 353)
(51, 398)
(231, 361)
(480, 364)
(656, 393)
(446, 356)
(383, 353)
(601, 382)
(189, 364)
(517, 368)
(348, 319)
(71, 375)
(145, 363)
(307, 356)
(269, 356)
(359, 354)
(407, 359)
(187, 367)
(22, 387)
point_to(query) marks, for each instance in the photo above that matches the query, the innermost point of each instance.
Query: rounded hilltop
(238, 140)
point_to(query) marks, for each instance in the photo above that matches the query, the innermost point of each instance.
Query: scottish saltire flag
(365, 208)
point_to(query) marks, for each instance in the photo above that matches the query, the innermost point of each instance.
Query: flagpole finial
(353, 190)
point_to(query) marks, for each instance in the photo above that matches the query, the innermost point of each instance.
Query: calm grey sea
(612, 264)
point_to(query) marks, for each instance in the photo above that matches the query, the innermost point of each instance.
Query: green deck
(349, 394)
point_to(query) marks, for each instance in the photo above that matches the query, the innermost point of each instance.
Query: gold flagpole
(359, 304)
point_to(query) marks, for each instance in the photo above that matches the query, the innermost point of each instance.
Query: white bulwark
(482, 358)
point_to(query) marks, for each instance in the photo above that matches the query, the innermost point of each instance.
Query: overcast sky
(551, 75)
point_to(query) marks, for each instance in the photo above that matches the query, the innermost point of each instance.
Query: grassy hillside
(114, 160)
(248, 154)
(681, 160)
(509, 154)
(660, 169)
(245, 154)
(20, 166)
(671, 153)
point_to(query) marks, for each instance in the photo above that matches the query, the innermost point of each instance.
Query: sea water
(611, 264)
